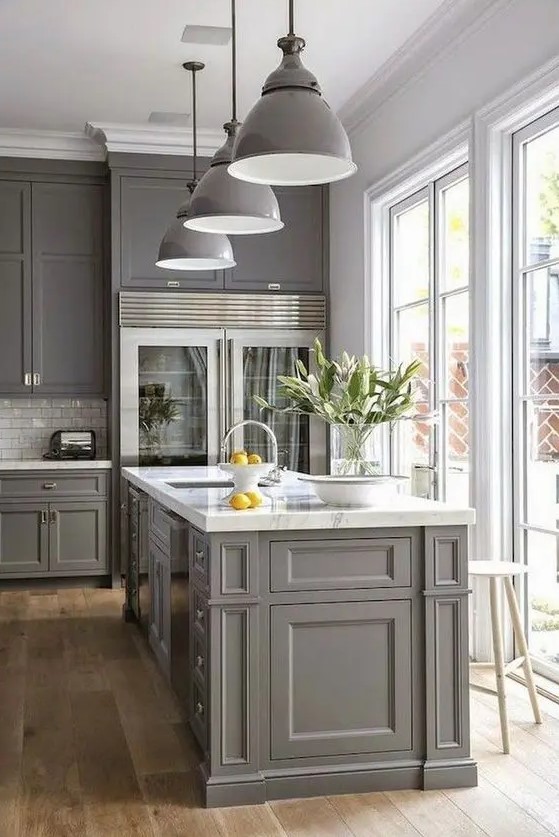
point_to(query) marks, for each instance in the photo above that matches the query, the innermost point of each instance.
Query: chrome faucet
(275, 474)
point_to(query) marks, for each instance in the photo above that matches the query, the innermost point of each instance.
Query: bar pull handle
(43, 517)
(36, 379)
(274, 286)
(27, 379)
(173, 284)
(49, 485)
(53, 516)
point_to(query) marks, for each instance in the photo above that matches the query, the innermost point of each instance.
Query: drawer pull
(199, 661)
(199, 708)
(199, 555)
(199, 615)
(49, 485)
(173, 284)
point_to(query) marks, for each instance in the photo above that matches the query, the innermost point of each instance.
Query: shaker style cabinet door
(24, 540)
(291, 259)
(341, 679)
(68, 288)
(15, 287)
(78, 537)
(148, 205)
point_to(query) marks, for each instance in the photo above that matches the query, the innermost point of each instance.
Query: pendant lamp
(183, 249)
(221, 203)
(291, 137)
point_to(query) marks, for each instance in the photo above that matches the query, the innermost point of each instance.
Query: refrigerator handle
(223, 387)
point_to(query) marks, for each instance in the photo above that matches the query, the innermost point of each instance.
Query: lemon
(239, 458)
(255, 498)
(254, 459)
(240, 502)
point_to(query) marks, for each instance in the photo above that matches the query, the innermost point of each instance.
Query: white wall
(512, 43)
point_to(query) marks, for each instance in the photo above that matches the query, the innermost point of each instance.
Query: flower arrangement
(350, 394)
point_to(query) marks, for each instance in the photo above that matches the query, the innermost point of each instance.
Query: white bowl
(353, 492)
(246, 477)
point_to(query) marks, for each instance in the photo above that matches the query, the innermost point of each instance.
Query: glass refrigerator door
(257, 360)
(170, 399)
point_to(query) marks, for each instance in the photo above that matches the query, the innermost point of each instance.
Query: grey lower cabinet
(44, 533)
(329, 664)
(52, 288)
(160, 598)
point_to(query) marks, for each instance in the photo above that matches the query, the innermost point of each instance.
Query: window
(429, 320)
(536, 380)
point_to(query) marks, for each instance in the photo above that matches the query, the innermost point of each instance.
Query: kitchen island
(328, 647)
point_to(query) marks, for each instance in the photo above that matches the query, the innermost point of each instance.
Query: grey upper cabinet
(15, 287)
(293, 259)
(67, 223)
(24, 546)
(147, 206)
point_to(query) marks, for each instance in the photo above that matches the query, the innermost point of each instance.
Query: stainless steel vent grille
(144, 309)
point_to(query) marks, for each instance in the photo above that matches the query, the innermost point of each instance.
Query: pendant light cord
(194, 128)
(291, 26)
(233, 62)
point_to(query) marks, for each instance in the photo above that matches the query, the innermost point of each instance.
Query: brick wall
(26, 424)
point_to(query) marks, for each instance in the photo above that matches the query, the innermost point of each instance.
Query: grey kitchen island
(328, 648)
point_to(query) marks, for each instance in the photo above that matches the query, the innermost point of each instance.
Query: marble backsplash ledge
(26, 424)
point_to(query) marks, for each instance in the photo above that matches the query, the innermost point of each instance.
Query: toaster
(72, 444)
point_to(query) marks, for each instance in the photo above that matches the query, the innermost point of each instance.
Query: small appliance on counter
(71, 444)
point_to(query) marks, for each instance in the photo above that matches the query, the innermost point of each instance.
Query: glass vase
(356, 450)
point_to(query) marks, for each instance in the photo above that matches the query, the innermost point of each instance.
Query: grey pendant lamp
(183, 249)
(221, 203)
(291, 137)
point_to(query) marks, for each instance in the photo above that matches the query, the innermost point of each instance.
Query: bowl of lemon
(245, 469)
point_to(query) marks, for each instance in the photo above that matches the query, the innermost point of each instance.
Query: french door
(429, 321)
(536, 382)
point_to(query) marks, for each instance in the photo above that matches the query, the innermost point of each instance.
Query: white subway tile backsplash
(26, 424)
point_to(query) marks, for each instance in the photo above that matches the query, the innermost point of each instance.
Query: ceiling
(64, 62)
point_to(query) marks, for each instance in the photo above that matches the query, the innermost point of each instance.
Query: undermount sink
(201, 484)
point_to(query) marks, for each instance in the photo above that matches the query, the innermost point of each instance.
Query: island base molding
(220, 792)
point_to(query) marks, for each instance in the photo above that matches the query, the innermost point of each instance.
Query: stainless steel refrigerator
(183, 384)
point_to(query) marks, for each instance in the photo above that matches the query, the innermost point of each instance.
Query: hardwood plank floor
(92, 743)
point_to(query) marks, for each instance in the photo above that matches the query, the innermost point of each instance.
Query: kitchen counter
(290, 505)
(54, 464)
(317, 650)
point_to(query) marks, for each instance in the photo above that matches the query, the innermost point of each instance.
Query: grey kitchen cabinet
(293, 259)
(368, 648)
(148, 205)
(46, 533)
(78, 536)
(24, 539)
(52, 288)
(160, 597)
(15, 287)
(68, 291)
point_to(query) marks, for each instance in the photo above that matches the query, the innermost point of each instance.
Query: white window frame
(437, 399)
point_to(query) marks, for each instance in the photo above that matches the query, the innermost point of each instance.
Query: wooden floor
(92, 743)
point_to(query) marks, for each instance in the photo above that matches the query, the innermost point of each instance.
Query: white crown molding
(450, 24)
(54, 145)
(150, 139)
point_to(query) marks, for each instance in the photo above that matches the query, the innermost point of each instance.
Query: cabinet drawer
(198, 552)
(53, 484)
(199, 613)
(198, 714)
(340, 564)
(164, 525)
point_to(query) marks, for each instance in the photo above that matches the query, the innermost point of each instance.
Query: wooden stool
(495, 571)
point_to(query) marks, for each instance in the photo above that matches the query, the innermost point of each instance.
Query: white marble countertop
(54, 464)
(290, 505)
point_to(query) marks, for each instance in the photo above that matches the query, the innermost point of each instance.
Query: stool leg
(497, 631)
(523, 647)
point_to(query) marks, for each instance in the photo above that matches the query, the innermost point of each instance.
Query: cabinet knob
(49, 485)
(199, 708)
(199, 614)
(199, 661)
(199, 554)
